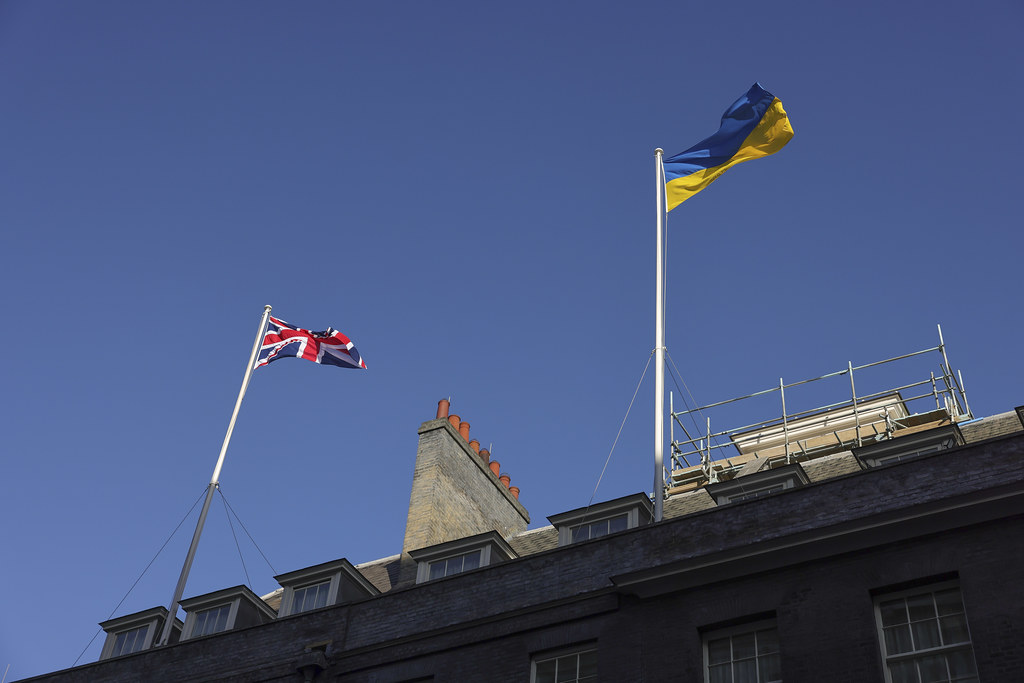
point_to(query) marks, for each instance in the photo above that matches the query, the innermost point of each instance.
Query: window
(461, 555)
(924, 636)
(454, 565)
(310, 597)
(565, 668)
(135, 632)
(213, 620)
(763, 483)
(745, 654)
(585, 532)
(127, 642)
(907, 446)
(595, 521)
(322, 585)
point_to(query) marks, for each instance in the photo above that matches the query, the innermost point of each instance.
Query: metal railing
(874, 415)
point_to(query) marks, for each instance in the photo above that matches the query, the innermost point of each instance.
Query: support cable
(227, 514)
(619, 433)
(690, 413)
(116, 607)
(242, 524)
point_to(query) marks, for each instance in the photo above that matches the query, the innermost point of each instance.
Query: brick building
(867, 543)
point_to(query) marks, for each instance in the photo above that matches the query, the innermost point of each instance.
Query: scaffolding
(706, 455)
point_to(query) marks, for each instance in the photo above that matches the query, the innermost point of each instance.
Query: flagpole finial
(659, 151)
(267, 308)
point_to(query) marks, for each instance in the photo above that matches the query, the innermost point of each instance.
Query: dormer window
(213, 620)
(454, 565)
(330, 583)
(758, 485)
(462, 555)
(135, 632)
(311, 597)
(603, 527)
(907, 446)
(599, 520)
(224, 610)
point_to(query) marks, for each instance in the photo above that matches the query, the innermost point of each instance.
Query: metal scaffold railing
(705, 454)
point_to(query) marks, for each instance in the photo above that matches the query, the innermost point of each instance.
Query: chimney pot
(442, 408)
(495, 467)
(464, 430)
(485, 454)
(514, 490)
(475, 445)
(505, 479)
(453, 420)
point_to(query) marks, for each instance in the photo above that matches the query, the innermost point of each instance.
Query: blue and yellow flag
(755, 126)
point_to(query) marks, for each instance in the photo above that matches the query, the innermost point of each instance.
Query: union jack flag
(329, 347)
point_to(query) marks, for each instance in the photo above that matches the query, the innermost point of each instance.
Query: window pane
(119, 643)
(599, 529)
(897, 640)
(619, 523)
(932, 669)
(588, 664)
(921, 607)
(322, 592)
(437, 569)
(926, 635)
(471, 561)
(893, 612)
(769, 669)
(743, 646)
(222, 619)
(580, 533)
(744, 672)
(545, 672)
(903, 672)
(720, 673)
(948, 602)
(566, 669)
(767, 641)
(954, 629)
(719, 651)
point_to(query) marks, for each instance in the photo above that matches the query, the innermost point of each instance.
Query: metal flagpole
(659, 350)
(172, 611)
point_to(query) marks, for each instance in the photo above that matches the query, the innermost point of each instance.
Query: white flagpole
(172, 611)
(659, 349)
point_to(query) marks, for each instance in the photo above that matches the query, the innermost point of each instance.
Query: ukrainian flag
(755, 126)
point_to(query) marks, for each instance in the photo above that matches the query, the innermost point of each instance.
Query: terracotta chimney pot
(453, 420)
(505, 479)
(495, 467)
(475, 445)
(464, 430)
(485, 454)
(442, 408)
(514, 490)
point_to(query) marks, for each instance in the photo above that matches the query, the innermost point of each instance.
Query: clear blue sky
(467, 191)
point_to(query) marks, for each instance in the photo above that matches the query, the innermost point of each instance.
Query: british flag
(329, 347)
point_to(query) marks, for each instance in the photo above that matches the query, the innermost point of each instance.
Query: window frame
(550, 655)
(637, 508)
(193, 617)
(914, 655)
(759, 484)
(747, 627)
(153, 619)
(903, 447)
(346, 584)
(492, 547)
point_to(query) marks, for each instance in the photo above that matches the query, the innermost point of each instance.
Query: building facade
(896, 559)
